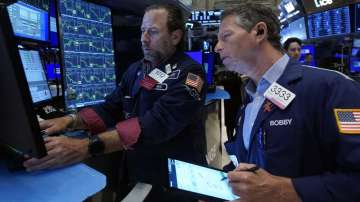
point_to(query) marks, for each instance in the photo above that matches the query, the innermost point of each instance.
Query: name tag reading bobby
(279, 95)
(158, 75)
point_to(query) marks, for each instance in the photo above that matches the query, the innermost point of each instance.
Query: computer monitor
(196, 55)
(356, 15)
(35, 76)
(313, 6)
(329, 23)
(289, 9)
(54, 39)
(88, 55)
(354, 64)
(355, 56)
(308, 49)
(296, 29)
(209, 62)
(20, 129)
(356, 42)
(53, 71)
(206, 17)
(29, 22)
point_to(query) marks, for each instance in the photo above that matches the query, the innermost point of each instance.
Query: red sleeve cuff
(92, 121)
(129, 131)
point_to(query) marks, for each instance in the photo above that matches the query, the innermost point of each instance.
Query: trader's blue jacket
(303, 141)
(165, 121)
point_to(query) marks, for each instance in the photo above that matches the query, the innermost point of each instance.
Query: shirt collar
(276, 70)
(270, 76)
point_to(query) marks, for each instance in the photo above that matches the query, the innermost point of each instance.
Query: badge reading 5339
(279, 95)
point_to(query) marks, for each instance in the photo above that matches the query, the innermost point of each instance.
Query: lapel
(292, 73)
(240, 124)
(145, 68)
(139, 74)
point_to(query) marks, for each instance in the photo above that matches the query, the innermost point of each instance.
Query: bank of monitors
(35, 76)
(329, 23)
(88, 54)
(296, 28)
(20, 129)
(29, 22)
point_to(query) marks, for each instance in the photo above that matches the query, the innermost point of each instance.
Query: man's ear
(176, 37)
(261, 31)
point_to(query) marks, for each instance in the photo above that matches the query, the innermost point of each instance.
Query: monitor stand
(14, 159)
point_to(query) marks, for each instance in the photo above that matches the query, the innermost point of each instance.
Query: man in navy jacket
(299, 125)
(156, 112)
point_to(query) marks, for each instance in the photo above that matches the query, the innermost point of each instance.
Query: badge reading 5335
(279, 95)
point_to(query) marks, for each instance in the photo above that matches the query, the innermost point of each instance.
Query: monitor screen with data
(35, 75)
(199, 180)
(88, 53)
(329, 23)
(29, 22)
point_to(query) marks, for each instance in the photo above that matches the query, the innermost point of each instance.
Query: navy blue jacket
(303, 141)
(170, 116)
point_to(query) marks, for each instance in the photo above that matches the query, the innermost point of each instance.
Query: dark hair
(291, 40)
(249, 14)
(175, 19)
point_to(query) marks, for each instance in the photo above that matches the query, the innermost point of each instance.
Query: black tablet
(201, 181)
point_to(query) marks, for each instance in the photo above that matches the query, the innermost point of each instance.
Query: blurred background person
(292, 46)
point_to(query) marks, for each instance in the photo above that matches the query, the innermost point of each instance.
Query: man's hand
(61, 151)
(55, 125)
(261, 186)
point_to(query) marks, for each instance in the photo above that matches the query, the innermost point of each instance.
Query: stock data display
(328, 23)
(29, 22)
(35, 75)
(89, 67)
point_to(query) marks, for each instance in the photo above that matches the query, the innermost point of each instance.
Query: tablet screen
(198, 179)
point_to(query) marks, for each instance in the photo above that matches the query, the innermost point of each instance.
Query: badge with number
(158, 75)
(168, 69)
(279, 95)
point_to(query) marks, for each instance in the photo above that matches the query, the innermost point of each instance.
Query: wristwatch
(96, 146)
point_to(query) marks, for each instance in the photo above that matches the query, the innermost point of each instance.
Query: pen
(252, 169)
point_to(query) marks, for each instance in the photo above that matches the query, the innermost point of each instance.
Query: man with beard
(156, 112)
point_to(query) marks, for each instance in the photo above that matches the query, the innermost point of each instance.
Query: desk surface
(71, 184)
